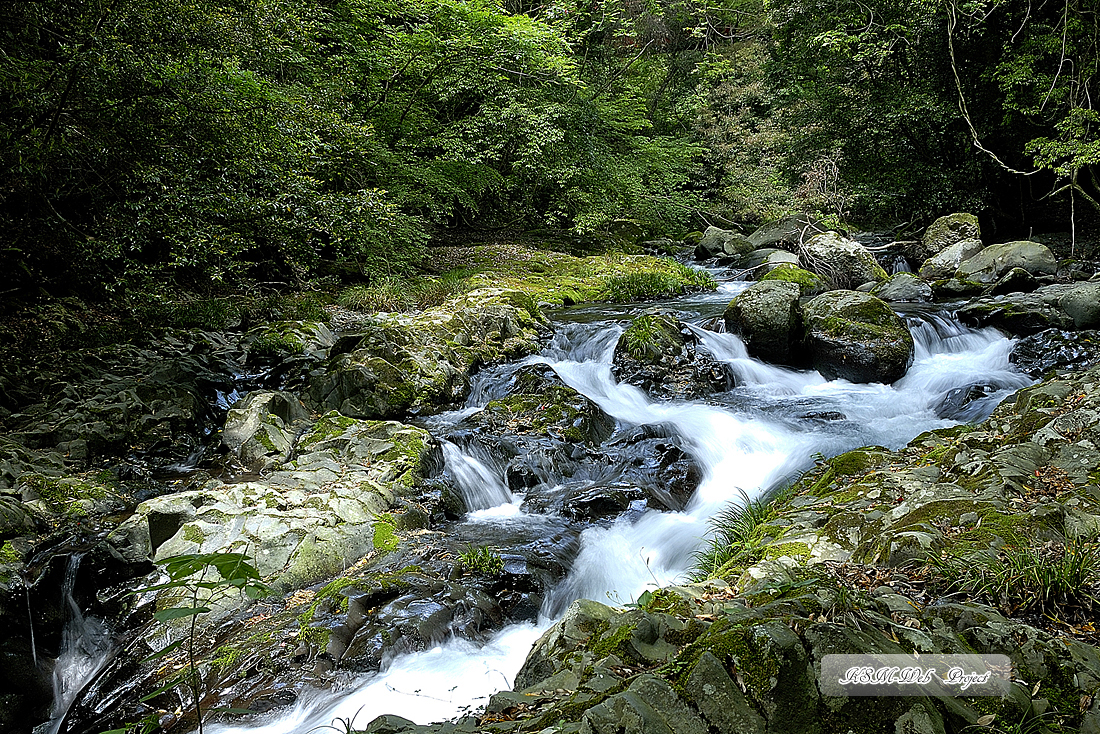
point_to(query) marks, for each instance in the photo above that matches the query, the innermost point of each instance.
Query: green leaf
(166, 615)
(167, 650)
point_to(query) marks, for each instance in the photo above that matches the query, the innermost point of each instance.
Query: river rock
(944, 233)
(538, 403)
(724, 244)
(768, 318)
(1054, 349)
(1059, 306)
(996, 260)
(787, 233)
(261, 428)
(760, 262)
(421, 362)
(307, 520)
(947, 262)
(658, 354)
(857, 337)
(903, 288)
(1016, 280)
(809, 284)
(844, 263)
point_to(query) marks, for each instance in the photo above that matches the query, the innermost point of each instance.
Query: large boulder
(403, 363)
(996, 260)
(947, 261)
(943, 233)
(655, 354)
(760, 262)
(768, 318)
(903, 288)
(856, 337)
(724, 244)
(844, 263)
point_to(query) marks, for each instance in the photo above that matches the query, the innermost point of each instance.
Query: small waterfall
(480, 486)
(85, 647)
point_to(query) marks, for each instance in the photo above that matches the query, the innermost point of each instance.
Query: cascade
(85, 648)
(746, 442)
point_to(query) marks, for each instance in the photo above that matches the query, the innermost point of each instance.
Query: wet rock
(760, 262)
(422, 362)
(842, 262)
(951, 289)
(857, 337)
(943, 233)
(994, 261)
(947, 262)
(540, 404)
(1054, 349)
(957, 404)
(595, 501)
(768, 318)
(903, 288)
(655, 354)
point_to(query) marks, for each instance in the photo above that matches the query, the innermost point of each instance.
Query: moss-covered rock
(1059, 306)
(903, 288)
(656, 355)
(406, 363)
(842, 262)
(857, 337)
(944, 233)
(946, 262)
(809, 284)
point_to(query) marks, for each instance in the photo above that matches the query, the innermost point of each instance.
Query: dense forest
(198, 144)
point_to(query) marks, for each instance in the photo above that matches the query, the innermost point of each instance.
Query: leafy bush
(481, 559)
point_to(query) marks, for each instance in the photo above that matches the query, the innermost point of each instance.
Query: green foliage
(400, 294)
(666, 283)
(481, 560)
(190, 574)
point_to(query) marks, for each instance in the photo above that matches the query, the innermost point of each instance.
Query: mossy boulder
(658, 354)
(421, 362)
(856, 337)
(943, 233)
(994, 261)
(842, 262)
(785, 233)
(768, 317)
(540, 404)
(260, 429)
(809, 284)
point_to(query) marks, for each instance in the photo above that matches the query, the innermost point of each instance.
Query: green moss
(8, 553)
(808, 283)
(793, 550)
(613, 643)
(330, 425)
(276, 340)
(853, 462)
(265, 440)
(385, 534)
(193, 534)
(227, 657)
(736, 647)
(63, 494)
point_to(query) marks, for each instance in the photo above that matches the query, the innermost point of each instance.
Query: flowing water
(85, 648)
(746, 442)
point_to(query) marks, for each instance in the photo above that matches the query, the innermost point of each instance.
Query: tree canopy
(202, 142)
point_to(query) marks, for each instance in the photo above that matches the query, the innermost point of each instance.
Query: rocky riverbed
(312, 449)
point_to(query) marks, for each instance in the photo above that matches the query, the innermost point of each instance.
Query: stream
(746, 442)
